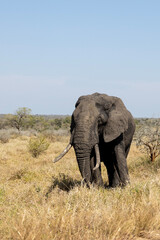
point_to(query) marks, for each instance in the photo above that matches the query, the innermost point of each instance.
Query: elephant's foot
(119, 184)
(113, 185)
(98, 183)
(97, 179)
(124, 184)
(114, 182)
(95, 183)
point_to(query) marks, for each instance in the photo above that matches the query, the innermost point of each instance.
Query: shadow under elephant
(64, 183)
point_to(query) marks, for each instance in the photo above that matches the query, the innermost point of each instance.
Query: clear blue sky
(52, 52)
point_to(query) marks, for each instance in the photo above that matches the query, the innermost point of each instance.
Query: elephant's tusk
(98, 160)
(63, 153)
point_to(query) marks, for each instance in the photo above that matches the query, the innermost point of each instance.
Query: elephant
(102, 130)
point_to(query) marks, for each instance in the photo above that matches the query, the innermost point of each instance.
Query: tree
(67, 122)
(58, 123)
(148, 138)
(40, 123)
(18, 119)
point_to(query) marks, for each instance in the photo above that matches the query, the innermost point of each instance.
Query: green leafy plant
(38, 145)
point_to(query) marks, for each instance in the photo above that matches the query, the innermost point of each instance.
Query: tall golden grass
(40, 200)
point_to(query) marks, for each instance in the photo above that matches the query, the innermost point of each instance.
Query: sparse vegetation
(22, 120)
(44, 201)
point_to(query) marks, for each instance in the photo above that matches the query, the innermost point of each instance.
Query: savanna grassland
(40, 200)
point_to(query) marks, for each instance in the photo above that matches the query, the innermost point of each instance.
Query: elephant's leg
(121, 163)
(127, 148)
(96, 174)
(113, 176)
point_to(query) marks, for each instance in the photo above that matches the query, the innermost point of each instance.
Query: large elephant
(101, 131)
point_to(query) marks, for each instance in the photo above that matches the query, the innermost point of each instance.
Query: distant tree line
(146, 137)
(24, 120)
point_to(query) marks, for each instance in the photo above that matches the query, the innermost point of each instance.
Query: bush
(58, 123)
(4, 136)
(38, 145)
(148, 139)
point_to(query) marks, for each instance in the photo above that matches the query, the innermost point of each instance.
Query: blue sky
(52, 52)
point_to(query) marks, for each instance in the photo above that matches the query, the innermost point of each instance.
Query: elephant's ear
(117, 121)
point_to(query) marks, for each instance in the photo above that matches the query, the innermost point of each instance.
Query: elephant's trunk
(84, 140)
(83, 158)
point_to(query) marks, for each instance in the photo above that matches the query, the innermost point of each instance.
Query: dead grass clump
(4, 136)
(56, 135)
(18, 174)
(88, 214)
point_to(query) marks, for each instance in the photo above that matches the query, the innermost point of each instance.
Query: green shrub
(38, 145)
(58, 123)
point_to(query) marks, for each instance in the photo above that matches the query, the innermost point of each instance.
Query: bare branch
(148, 139)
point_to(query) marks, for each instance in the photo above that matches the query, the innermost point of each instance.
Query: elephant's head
(96, 116)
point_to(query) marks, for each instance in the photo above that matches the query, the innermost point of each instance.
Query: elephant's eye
(102, 119)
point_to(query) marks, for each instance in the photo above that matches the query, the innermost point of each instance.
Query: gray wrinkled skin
(103, 120)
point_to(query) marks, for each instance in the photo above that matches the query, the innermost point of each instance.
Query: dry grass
(40, 200)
